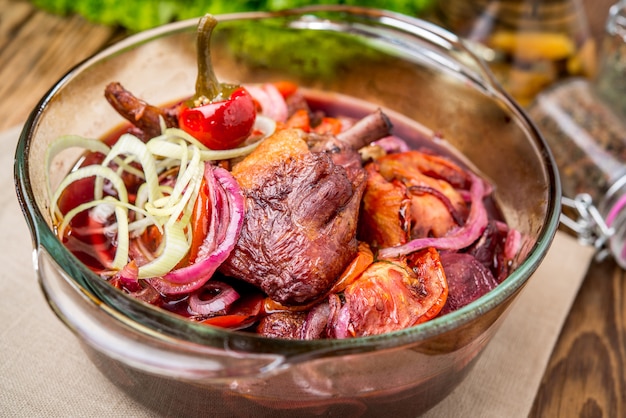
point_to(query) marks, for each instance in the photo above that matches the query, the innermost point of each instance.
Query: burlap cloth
(44, 371)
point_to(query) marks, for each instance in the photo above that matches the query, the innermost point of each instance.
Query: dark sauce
(94, 250)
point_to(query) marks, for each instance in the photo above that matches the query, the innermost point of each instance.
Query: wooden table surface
(586, 374)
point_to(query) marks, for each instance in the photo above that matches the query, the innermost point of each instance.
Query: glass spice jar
(586, 132)
(612, 84)
(528, 44)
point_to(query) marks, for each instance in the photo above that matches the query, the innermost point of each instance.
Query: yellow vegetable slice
(533, 46)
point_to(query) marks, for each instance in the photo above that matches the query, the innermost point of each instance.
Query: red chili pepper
(222, 124)
(220, 115)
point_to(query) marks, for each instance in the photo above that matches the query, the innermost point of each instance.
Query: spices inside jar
(611, 81)
(528, 44)
(587, 138)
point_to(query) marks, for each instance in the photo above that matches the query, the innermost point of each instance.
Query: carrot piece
(286, 88)
(328, 125)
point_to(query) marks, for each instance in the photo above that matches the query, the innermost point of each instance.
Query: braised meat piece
(302, 208)
(299, 231)
(282, 325)
(303, 325)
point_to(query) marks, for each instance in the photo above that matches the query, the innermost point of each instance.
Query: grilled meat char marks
(302, 209)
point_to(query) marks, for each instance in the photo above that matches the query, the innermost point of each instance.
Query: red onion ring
(316, 321)
(225, 297)
(460, 238)
(217, 203)
(341, 324)
(392, 144)
(129, 277)
(272, 103)
(512, 244)
(454, 213)
(226, 223)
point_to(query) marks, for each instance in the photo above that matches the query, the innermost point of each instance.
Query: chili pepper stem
(207, 84)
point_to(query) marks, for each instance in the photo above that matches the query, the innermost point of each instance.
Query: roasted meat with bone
(303, 193)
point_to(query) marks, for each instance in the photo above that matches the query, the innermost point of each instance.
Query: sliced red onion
(513, 244)
(460, 238)
(170, 288)
(216, 217)
(392, 144)
(272, 103)
(224, 230)
(224, 296)
(128, 277)
(316, 321)
(445, 200)
(342, 322)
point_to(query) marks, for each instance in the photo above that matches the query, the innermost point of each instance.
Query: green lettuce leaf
(138, 15)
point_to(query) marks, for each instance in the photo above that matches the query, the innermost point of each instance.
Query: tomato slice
(393, 295)
(328, 125)
(427, 266)
(299, 120)
(357, 266)
(200, 220)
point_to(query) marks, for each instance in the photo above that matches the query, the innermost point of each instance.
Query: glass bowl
(405, 65)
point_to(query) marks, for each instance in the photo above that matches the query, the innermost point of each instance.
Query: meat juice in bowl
(398, 64)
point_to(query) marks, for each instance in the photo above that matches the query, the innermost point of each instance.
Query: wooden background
(586, 374)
